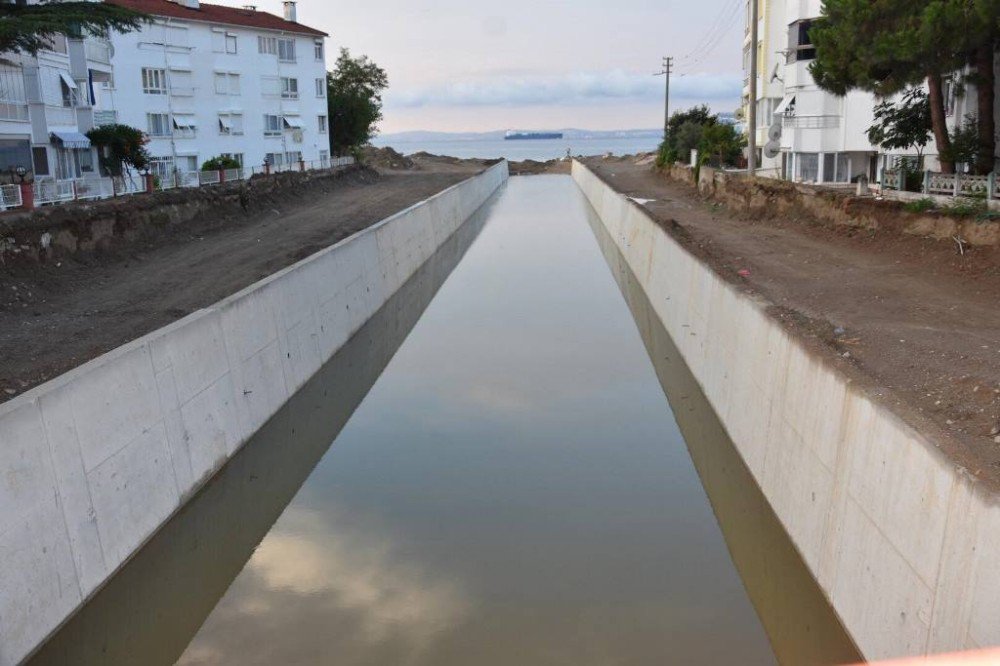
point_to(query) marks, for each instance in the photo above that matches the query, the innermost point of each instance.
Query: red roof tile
(217, 14)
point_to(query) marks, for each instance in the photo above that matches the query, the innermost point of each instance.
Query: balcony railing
(17, 111)
(810, 122)
(105, 117)
(63, 116)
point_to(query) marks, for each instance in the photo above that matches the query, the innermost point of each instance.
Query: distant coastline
(492, 145)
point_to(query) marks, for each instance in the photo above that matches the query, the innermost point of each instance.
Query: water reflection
(512, 490)
(802, 626)
(148, 613)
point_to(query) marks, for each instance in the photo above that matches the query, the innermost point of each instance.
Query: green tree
(684, 130)
(903, 125)
(887, 46)
(28, 28)
(354, 98)
(720, 145)
(965, 142)
(120, 147)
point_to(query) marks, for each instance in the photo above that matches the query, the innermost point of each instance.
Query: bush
(220, 162)
(920, 205)
(966, 207)
(665, 155)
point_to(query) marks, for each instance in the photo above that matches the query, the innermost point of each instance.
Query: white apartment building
(771, 38)
(806, 134)
(208, 80)
(47, 103)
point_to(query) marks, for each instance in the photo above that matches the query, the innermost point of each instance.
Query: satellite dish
(774, 131)
(772, 149)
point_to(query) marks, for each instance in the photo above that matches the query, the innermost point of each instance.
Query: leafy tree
(903, 125)
(720, 145)
(354, 98)
(887, 46)
(965, 143)
(29, 28)
(120, 147)
(220, 162)
(684, 130)
(699, 115)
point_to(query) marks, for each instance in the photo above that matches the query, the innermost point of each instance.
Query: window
(223, 42)
(289, 88)
(318, 49)
(185, 124)
(227, 83)
(176, 36)
(231, 123)
(274, 159)
(949, 92)
(158, 124)
(286, 50)
(806, 167)
(800, 47)
(154, 81)
(320, 87)
(267, 45)
(293, 156)
(236, 156)
(86, 158)
(161, 167)
(321, 123)
(272, 125)
(181, 83)
(270, 86)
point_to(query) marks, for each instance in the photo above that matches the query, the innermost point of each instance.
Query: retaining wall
(93, 462)
(905, 547)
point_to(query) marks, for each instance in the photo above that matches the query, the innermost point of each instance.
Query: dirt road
(54, 317)
(909, 318)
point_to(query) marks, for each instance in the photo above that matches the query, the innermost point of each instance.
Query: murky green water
(514, 489)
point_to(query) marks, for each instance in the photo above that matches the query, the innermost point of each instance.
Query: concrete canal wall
(905, 547)
(93, 462)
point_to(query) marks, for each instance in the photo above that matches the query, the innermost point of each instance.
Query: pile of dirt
(386, 158)
(535, 168)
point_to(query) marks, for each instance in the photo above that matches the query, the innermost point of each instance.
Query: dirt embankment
(911, 319)
(57, 314)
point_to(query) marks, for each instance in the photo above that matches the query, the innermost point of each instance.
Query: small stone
(10, 391)
(995, 430)
(997, 439)
(847, 354)
(949, 422)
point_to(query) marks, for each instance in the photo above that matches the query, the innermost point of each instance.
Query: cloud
(581, 88)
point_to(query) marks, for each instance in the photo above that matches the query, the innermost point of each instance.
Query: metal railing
(17, 111)
(810, 122)
(49, 191)
(10, 196)
(98, 50)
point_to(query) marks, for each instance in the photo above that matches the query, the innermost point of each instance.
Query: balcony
(105, 117)
(60, 116)
(810, 122)
(13, 110)
(98, 51)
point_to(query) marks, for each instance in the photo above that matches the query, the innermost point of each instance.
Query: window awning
(294, 122)
(70, 139)
(184, 121)
(68, 80)
(789, 101)
(225, 123)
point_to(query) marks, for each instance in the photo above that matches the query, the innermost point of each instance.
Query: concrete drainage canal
(488, 472)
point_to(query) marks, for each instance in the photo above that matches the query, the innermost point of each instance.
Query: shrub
(220, 162)
(966, 207)
(920, 205)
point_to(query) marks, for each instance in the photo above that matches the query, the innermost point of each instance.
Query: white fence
(48, 191)
(948, 184)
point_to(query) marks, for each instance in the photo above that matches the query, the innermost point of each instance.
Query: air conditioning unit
(297, 136)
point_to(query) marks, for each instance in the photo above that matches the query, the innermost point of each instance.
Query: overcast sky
(463, 65)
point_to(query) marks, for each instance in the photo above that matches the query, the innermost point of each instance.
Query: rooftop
(250, 18)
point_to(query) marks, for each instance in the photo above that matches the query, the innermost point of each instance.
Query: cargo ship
(527, 136)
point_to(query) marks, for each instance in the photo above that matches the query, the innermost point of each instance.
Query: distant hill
(568, 133)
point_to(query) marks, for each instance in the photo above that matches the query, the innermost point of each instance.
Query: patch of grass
(920, 205)
(966, 207)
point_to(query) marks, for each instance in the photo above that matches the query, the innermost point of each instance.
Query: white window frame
(320, 87)
(154, 81)
(288, 46)
(232, 44)
(322, 124)
(166, 124)
(274, 128)
(289, 87)
(318, 51)
(267, 45)
(230, 83)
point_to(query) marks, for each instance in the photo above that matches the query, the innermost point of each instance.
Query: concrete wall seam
(93, 462)
(904, 545)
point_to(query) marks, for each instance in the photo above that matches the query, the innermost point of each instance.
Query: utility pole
(668, 64)
(752, 115)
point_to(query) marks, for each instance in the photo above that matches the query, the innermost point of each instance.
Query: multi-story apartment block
(207, 80)
(47, 103)
(771, 35)
(807, 134)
